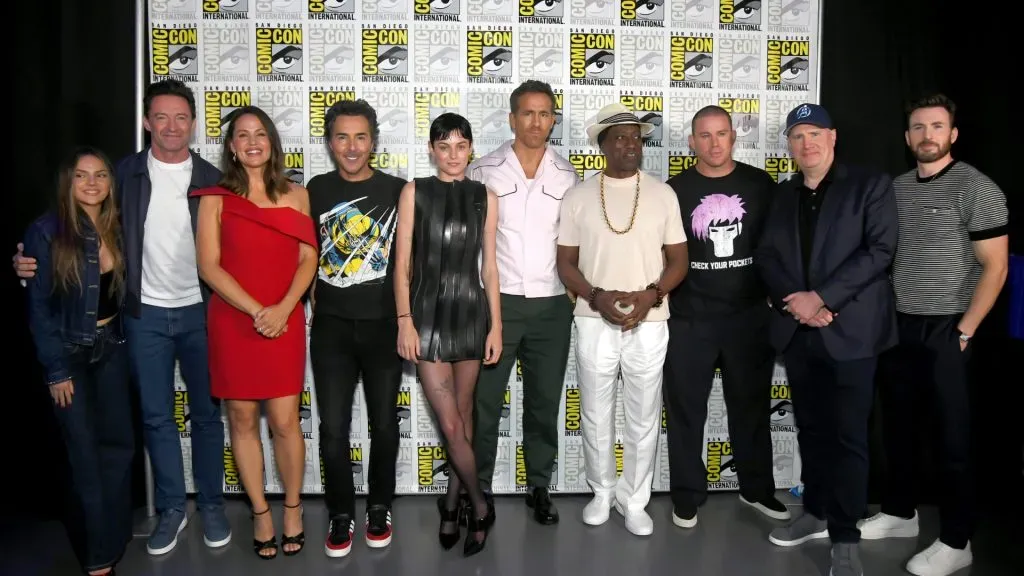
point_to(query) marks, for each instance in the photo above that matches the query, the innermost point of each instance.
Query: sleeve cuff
(57, 376)
(988, 233)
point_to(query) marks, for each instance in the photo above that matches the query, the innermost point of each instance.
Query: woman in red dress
(256, 251)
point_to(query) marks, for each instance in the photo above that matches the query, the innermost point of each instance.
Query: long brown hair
(234, 177)
(68, 250)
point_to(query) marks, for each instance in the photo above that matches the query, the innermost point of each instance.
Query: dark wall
(76, 86)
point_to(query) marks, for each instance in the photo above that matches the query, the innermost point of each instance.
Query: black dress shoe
(544, 510)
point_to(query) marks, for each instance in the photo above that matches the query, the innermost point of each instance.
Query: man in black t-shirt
(720, 318)
(354, 331)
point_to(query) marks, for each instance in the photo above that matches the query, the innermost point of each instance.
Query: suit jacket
(134, 190)
(854, 245)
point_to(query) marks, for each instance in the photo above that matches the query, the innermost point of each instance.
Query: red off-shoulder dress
(259, 248)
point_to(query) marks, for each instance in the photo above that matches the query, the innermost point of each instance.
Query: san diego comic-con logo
(393, 162)
(490, 11)
(541, 53)
(489, 55)
(788, 64)
(717, 421)
(232, 481)
(295, 171)
(279, 9)
(284, 104)
(781, 415)
(693, 14)
(664, 420)
(593, 12)
(182, 414)
(557, 129)
(690, 61)
(641, 58)
(519, 371)
(649, 13)
(436, 10)
(172, 9)
(521, 469)
(781, 168)
(541, 11)
(746, 113)
(404, 412)
(505, 423)
(591, 58)
(721, 467)
(320, 101)
(739, 62)
(225, 52)
(776, 107)
(385, 53)
(331, 52)
(573, 421)
(355, 454)
(431, 468)
(225, 9)
(331, 10)
(586, 165)
(618, 449)
(279, 53)
(683, 106)
(429, 104)
(437, 56)
(583, 108)
(306, 397)
(649, 107)
(487, 112)
(220, 104)
(392, 105)
(788, 16)
(679, 162)
(739, 15)
(174, 52)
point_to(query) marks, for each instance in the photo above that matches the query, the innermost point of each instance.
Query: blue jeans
(155, 340)
(97, 431)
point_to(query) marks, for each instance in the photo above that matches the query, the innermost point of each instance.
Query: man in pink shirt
(530, 180)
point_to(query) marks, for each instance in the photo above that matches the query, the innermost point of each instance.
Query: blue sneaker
(165, 536)
(216, 530)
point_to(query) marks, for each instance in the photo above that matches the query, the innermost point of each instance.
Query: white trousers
(602, 351)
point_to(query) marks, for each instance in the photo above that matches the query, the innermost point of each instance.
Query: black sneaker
(770, 507)
(378, 526)
(339, 536)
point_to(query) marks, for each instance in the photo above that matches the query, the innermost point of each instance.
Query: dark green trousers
(536, 330)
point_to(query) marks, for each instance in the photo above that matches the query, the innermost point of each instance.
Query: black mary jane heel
(259, 546)
(448, 540)
(474, 525)
(299, 539)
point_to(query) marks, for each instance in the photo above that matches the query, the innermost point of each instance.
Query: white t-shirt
(626, 262)
(170, 277)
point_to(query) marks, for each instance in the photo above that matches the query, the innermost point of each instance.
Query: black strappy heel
(474, 525)
(448, 540)
(259, 546)
(299, 538)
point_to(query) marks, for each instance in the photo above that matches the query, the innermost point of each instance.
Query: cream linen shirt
(528, 213)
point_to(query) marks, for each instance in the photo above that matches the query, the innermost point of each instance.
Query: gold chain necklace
(636, 205)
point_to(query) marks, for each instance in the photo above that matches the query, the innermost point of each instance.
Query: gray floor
(731, 540)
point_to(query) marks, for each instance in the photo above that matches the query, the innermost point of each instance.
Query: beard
(926, 155)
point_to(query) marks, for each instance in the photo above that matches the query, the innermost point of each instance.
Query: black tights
(449, 390)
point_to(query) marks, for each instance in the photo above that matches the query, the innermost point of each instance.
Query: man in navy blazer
(825, 256)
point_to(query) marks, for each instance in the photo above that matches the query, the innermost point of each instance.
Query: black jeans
(341, 351)
(928, 372)
(739, 345)
(98, 434)
(831, 403)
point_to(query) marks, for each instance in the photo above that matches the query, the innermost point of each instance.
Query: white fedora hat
(615, 114)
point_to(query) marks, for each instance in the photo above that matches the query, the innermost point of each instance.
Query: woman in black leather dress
(449, 316)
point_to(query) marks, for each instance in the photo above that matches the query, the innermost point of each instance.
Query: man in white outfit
(621, 249)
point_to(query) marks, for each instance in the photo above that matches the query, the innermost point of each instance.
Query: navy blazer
(134, 190)
(854, 245)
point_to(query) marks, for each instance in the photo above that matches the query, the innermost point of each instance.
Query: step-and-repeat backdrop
(415, 59)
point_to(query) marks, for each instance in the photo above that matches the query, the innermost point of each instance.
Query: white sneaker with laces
(882, 526)
(940, 560)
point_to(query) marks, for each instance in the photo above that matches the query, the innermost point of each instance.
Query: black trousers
(927, 372)
(341, 351)
(97, 430)
(739, 345)
(832, 403)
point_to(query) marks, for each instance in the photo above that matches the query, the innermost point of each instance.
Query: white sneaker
(639, 523)
(882, 526)
(597, 512)
(940, 560)
(684, 522)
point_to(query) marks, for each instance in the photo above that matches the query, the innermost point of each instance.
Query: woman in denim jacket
(74, 301)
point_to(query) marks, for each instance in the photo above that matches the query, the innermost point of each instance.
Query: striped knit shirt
(935, 270)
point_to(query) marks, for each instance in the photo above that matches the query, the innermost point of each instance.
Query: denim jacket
(59, 319)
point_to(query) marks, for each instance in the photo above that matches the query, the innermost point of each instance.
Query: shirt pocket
(939, 221)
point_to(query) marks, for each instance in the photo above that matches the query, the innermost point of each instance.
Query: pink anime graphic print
(719, 218)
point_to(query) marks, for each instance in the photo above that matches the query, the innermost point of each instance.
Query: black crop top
(108, 302)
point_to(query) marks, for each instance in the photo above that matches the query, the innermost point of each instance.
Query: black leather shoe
(544, 510)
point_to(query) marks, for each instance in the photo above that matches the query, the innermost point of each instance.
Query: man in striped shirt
(950, 265)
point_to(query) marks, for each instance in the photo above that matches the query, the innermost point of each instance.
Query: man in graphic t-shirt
(354, 331)
(719, 318)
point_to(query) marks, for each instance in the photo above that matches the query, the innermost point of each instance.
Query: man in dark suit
(824, 256)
